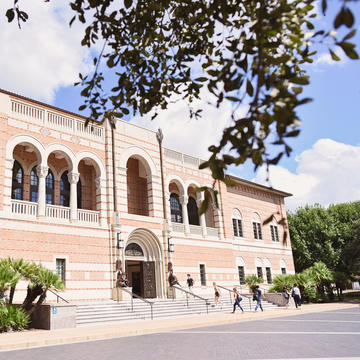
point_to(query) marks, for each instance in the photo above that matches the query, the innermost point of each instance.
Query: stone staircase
(106, 312)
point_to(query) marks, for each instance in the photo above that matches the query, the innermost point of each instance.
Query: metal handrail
(231, 291)
(58, 296)
(207, 303)
(151, 303)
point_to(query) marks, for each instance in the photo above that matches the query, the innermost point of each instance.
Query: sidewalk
(26, 339)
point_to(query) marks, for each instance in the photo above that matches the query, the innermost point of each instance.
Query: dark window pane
(276, 233)
(193, 211)
(134, 249)
(202, 275)
(175, 208)
(259, 272)
(17, 181)
(268, 275)
(283, 270)
(34, 184)
(259, 231)
(240, 229)
(79, 194)
(272, 232)
(255, 230)
(241, 272)
(60, 268)
(50, 188)
(235, 227)
(64, 190)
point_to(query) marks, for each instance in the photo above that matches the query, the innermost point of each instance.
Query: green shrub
(282, 280)
(253, 280)
(13, 318)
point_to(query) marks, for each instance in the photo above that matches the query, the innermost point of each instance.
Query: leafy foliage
(40, 281)
(330, 235)
(253, 280)
(250, 52)
(12, 318)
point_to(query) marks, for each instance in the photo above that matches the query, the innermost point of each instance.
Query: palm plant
(7, 278)
(43, 281)
(252, 281)
(282, 280)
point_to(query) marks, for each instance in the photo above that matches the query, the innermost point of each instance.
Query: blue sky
(43, 60)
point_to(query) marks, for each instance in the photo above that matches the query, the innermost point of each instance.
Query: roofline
(261, 187)
(43, 104)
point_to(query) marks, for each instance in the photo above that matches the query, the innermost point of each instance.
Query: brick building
(64, 206)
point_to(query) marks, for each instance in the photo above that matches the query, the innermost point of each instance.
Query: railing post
(207, 307)
(132, 304)
(151, 306)
(230, 297)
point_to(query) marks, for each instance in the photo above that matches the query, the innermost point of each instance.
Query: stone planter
(54, 316)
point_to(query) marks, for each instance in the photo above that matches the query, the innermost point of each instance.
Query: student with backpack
(237, 299)
(257, 296)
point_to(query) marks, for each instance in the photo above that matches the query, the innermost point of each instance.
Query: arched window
(34, 185)
(64, 190)
(237, 223)
(193, 211)
(17, 181)
(134, 250)
(257, 227)
(79, 194)
(176, 208)
(274, 231)
(50, 188)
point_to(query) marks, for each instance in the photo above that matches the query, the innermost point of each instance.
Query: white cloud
(325, 59)
(45, 54)
(191, 136)
(327, 173)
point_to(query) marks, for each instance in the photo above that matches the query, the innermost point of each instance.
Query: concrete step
(96, 313)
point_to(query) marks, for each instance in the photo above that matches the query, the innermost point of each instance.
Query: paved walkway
(34, 338)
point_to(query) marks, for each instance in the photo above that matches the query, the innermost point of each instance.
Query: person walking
(217, 295)
(258, 298)
(190, 282)
(286, 296)
(295, 293)
(237, 299)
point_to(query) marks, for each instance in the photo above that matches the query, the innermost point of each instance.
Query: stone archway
(145, 262)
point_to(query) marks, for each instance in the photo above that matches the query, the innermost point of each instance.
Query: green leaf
(249, 88)
(349, 35)
(127, 3)
(324, 6)
(349, 50)
(82, 107)
(348, 18)
(201, 79)
(334, 56)
(10, 14)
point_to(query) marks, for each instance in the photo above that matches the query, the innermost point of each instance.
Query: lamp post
(171, 246)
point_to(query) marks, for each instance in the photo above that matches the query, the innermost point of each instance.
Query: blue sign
(54, 309)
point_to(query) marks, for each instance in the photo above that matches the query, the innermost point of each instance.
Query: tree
(330, 235)
(250, 52)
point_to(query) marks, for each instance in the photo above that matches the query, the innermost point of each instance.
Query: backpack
(239, 297)
(255, 297)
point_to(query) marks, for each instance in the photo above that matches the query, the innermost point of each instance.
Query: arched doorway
(143, 264)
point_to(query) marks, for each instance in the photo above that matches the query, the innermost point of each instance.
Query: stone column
(184, 201)
(9, 163)
(42, 171)
(199, 200)
(101, 200)
(73, 179)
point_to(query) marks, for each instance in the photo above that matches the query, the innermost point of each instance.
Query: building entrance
(141, 276)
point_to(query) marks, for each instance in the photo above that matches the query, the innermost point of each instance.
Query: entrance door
(148, 270)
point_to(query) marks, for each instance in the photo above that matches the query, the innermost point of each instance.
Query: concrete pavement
(36, 338)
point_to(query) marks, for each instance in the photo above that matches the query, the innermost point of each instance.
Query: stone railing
(177, 227)
(195, 229)
(21, 207)
(212, 231)
(182, 158)
(57, 121)
(58, 212)
(88, 216)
